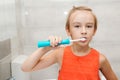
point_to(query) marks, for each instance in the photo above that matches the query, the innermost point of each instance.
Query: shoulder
(54, 53)
(60, 51)
(103, 60)
(57, 52)
(102, 57)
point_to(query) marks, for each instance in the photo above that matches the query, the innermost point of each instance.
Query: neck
(80, 50)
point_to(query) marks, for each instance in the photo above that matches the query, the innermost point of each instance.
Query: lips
(83, 39)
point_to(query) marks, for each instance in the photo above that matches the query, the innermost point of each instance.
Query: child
(77, 61)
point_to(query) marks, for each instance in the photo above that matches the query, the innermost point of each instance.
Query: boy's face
(81, 26)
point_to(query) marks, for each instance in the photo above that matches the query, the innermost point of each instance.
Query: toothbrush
(65, 41)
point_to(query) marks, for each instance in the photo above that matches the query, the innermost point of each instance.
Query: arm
(106, 69)
(38, 59)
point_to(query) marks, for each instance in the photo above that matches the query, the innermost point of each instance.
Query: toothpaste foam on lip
(82, 39)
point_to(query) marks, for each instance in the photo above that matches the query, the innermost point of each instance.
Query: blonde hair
(80, 8)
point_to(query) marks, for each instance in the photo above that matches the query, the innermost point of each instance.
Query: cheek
(92, 33)
(73, 32)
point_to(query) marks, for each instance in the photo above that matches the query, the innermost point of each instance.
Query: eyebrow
(76, 23)
(91, 23)
(80, 23)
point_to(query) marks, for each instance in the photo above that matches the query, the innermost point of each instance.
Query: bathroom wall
(8, 26)
(5, 48)
(8, 37)
(5, 57)
(41, 18)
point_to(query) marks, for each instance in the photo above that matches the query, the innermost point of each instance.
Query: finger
(56, 40)
(52, 40)
(60, 39)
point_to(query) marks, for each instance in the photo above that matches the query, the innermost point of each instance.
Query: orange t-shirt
(79, 67)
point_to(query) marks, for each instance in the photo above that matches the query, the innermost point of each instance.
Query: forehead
(82, 16)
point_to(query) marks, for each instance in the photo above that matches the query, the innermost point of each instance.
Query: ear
(68, 31)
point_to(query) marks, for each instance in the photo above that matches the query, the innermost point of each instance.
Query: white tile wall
(7, 19)
(7, 32)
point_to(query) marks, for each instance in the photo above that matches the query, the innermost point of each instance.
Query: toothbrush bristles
(77, 40)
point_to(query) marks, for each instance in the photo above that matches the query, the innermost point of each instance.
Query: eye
(76, 26)
(89, 26)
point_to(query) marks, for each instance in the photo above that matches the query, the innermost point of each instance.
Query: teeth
(82, 39)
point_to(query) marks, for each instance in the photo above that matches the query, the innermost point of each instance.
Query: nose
(83, 31)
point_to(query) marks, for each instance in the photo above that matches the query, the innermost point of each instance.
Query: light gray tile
(5, 48)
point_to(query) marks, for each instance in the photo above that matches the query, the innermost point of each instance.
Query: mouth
(83, 39)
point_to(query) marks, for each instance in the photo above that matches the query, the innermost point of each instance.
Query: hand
(54, 40)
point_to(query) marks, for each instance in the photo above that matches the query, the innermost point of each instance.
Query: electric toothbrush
(64, 41)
